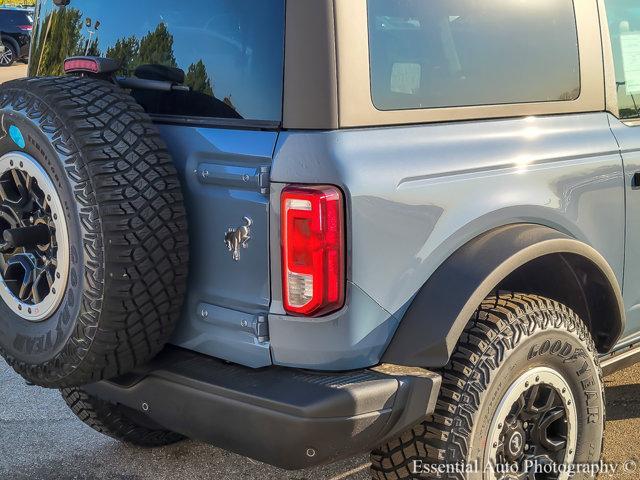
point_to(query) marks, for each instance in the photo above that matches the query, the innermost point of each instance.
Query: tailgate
(225, 177)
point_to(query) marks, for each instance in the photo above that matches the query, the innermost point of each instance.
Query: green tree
(89, 47)
(126, 51)
(157, 48)
(198, 79)
(61, 30)
(18, 3)
(227, 100)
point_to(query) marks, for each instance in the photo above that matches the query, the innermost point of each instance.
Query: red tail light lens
(312, 249)
(25, 28)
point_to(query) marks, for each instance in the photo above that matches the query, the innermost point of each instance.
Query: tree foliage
(125, 50)
(198, 79)
(62, 38)
(157, 48)
(17, 3)
(62, 31)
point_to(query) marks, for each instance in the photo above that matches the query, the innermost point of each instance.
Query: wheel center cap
(515, 444)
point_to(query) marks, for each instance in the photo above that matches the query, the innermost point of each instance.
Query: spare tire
(93, 232)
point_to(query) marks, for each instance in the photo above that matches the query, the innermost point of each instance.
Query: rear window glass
(448, 53)
(15, 17)
(228, 52)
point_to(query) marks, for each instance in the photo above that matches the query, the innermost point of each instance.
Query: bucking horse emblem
(238, 237)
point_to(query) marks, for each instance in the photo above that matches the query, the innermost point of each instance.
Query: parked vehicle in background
(306, 229)
(15, 31)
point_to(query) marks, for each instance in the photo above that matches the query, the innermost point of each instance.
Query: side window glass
(624, 27)
(451, 53)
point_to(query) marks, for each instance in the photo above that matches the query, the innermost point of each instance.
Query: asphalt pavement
(17, 70)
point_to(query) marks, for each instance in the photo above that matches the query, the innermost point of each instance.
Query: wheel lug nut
(525, 424)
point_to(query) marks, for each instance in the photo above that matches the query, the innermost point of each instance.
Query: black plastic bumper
(288, 418)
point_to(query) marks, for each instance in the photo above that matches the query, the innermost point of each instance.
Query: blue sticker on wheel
(16, 136)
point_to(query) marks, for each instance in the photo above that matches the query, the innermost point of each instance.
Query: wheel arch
(523, 257)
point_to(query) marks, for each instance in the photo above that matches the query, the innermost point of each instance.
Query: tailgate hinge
(235, 176)
(261, 328)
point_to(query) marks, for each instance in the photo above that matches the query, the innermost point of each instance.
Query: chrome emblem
(238, 237)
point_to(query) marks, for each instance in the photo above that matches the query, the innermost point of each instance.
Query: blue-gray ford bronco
(306, 229)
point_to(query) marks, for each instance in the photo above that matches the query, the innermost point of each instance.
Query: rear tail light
(25, 28)
(312, 233)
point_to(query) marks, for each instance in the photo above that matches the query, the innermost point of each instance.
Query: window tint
(446, 53)
(624, 27)
(228, 52)
(15, 17)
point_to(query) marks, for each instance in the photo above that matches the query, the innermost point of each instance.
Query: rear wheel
(522, 395)
(116, 421)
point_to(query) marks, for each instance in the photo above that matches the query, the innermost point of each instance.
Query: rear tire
(521, 362)
(122, 423)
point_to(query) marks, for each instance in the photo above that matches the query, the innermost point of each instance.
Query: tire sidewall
(41, 342)
(567, 354)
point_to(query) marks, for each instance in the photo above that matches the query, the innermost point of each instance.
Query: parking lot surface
(17, 70)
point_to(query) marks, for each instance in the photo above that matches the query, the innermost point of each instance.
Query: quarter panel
(416, 194)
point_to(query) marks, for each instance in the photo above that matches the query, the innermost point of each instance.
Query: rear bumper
(288, 418)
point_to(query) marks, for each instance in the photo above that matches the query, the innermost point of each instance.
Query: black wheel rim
(33, 239)
(533, 434)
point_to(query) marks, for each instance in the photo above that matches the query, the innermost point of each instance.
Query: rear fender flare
(443, 306)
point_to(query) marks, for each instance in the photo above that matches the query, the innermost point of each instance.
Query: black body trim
(493, 260)
(288, 418)
(212, 122)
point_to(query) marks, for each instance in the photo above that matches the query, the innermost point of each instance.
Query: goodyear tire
(93, 236)
(522, 397)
